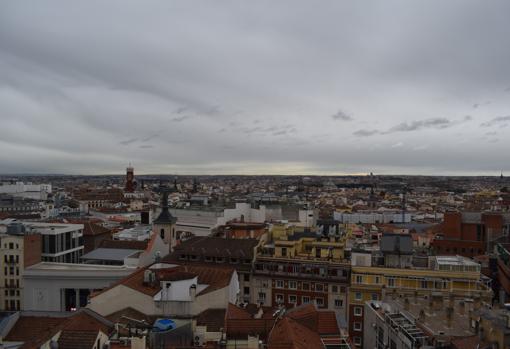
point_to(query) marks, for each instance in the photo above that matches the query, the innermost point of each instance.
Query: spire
(165, 217)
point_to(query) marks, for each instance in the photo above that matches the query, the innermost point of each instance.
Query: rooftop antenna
(404, 192)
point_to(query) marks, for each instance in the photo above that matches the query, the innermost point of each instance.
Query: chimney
(449, 316)
(192, 292)
(462, 308)
(422, 316)
(437, 301)
(477, 302)
(406, 304)
(451, 298)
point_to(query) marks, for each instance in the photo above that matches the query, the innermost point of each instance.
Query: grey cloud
(146, 146)
(180, 110)
(365, 133)
(498, 121)
(128, 141)
(148, 138)
(341, 115)
(180, 118)
(438, 123)
(70, 90)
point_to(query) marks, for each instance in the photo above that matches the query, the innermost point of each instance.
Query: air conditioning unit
(198, 340)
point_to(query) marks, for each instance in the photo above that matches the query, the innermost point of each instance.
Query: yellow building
(445, 276)
(295, 242)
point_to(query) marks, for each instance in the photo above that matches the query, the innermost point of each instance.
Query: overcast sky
(297, 87)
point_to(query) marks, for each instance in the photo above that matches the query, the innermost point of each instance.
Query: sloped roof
(290, 334)
(215, 247)
(78, 330)
(216, 277)
(213, 319)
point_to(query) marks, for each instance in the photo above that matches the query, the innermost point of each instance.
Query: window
(319, 301)
(246, 290)
(279, 298)
(279, 283)
(338, 303)
(359, 279)
(357, 341)
(375, 296)
(262, 297)
(357, 326)
(358, 296)
(305, 286)
(246, 277)
(334, 289)
(292, 285)
(305, 299)
(208, 259)
(377, 280)
(292, 299)
(358, 311)
(162, 233)
(424, 284)
(391, 282)
(319, 287)
(284, 251)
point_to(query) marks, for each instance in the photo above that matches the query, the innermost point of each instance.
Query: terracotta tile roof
(215, 247)
(289, 334)
(76, 330)
(124, 244)
(216, 277)
(213, 319)
(33, 328)
(70, 339)
(240, 323)
(122, 315)
(93, 229)
(321, 321)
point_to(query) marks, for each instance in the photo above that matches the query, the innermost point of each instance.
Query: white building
(65, 286)
(28, 190)
(61, 242)
(170, 290)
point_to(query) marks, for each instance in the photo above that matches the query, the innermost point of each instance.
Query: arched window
(162, 233)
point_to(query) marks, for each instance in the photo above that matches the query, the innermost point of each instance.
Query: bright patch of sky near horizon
(262, 87)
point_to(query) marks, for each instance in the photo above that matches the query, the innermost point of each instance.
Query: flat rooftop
(435, 321)
(109, 254)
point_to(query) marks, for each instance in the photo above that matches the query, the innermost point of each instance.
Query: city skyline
(259, 88)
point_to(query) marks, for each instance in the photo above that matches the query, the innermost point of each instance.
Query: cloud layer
(201, 87)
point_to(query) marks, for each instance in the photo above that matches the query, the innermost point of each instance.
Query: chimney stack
(192, 292)
(449, 316)
(422, 316)
(462, 308)
(477, 302)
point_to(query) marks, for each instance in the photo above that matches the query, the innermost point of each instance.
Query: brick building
(471, 234)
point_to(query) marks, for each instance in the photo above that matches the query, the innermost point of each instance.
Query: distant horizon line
(248, 175)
